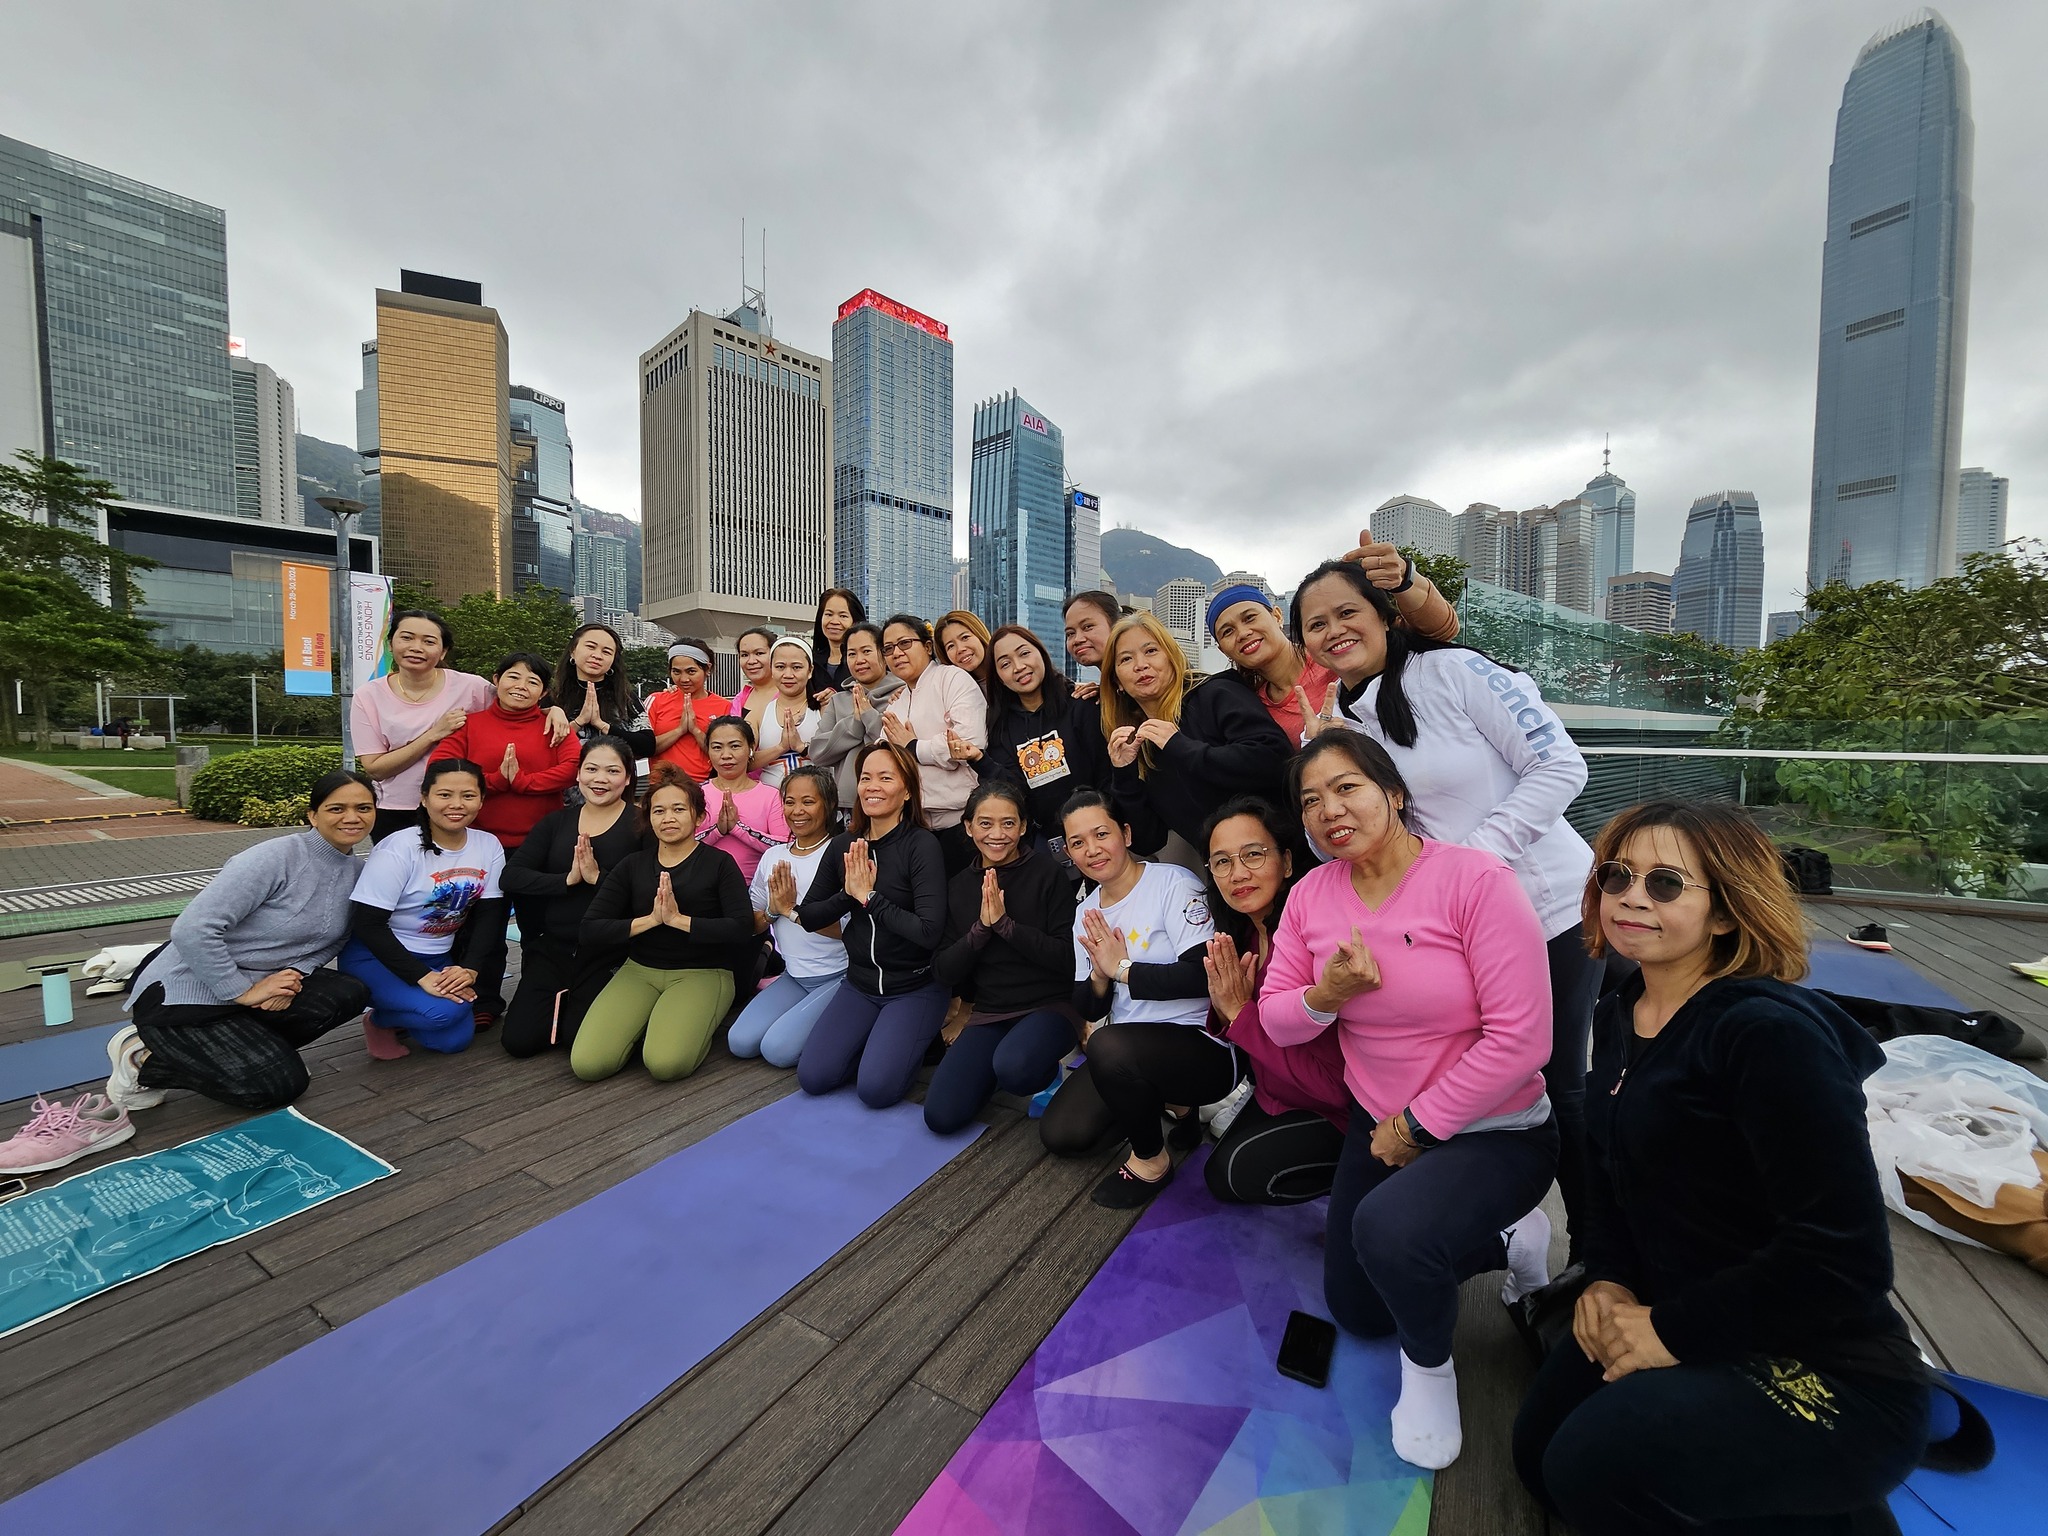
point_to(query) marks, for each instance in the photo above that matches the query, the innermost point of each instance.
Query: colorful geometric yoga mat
(1154, 1408)
(124, 1220)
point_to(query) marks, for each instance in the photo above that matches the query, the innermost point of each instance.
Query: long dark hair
(440, 768)
(821, 648)
(906, 767)
(1365, 754)
(435, 619)
(1396, 715)
(1056, 691)
(614, 689)
(1236, 925)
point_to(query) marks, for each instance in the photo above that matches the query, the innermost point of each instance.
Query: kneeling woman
(1009, 953)
(422, 905)
(1737, 1339)
(1428, 960)
(883, 884)
(679, 910)
(1139, 941)
(777, 1021)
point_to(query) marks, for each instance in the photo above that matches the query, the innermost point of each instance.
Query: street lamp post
(343, 510)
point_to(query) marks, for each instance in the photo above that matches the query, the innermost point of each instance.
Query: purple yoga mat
(1153, 1407)
(440, 1411)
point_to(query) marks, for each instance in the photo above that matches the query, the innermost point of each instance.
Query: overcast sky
(1266, 264)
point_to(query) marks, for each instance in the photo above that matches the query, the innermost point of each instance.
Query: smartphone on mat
(1306, 1347)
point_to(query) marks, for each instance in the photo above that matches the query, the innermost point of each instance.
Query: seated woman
(1282, 1143)
(742, 816)
(883, 884)
(554, 876)
(852, 717)
(1139, 941)
(1737, 1341)
(414, 920)
(679, 911)
(226, 1006)
(1009, 954)
(789, 719)
(1428, 960)
(777, 1022)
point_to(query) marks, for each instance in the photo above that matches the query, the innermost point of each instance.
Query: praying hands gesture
(782, 891)
(1348, 972)
(583, 868)
(508, 769)
(728, 815)
(899, 730)
(860, 871)
(860, 699)
(1105, 948)
(273, 993)
(665, 906)
(1233, 978)
(992, 908)
(1613, 1330)
(590, 713)
(1315, 721)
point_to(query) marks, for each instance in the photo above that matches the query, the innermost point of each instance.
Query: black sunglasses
(1659, 884)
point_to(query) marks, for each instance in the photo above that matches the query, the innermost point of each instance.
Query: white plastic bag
(1955, 1116)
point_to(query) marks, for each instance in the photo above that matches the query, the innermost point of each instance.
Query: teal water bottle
(56, 995)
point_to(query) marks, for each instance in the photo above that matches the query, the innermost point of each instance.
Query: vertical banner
(369, 623)
(308, 617)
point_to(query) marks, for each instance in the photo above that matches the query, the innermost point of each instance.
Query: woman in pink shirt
(1428, 960)
(397, 719)
(741, 814)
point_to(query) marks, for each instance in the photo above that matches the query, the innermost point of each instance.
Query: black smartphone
(1306, 1347)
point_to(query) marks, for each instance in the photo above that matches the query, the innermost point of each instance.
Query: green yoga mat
(17, 974)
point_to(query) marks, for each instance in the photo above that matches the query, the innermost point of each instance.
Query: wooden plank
(868, 1488)
(1480, 1491)
(2018, 1292)
(436, 1174)
(669, 1124)
(1965, 1323)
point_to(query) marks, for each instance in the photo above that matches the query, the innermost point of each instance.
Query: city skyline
(1696, 355)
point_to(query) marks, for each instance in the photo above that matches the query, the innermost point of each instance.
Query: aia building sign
(1035, 423)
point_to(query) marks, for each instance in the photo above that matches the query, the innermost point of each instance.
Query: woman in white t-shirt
(1139, 941)
(416, 905)
(775, 1025)
(788, 720)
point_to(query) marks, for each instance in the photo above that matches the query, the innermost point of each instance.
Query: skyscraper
(266, 441)
(1894, 313)
(22, 424)
(1640, 600)
(1543, 552)
(1717, 592)
(443, 449)
(601, 575)
(1084, 540)
(1018, 530)
(134, 327)
(1980, 516)
(1614, 530)
(1180, 605)
(892, 447)
(543, 492)
(627, 532)
(735, 476)
(1417, 523)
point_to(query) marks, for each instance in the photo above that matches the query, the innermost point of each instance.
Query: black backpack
(1811, 872)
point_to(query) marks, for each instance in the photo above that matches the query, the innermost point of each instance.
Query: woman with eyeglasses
(1287, 1121)
(941, 719)
(1426, 960)
(1737, 1335)
(852, 718)
(1489, 765)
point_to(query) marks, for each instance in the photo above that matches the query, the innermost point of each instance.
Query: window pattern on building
(1019, 534)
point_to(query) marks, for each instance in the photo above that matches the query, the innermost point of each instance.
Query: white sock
(1427, 1429)
(1528, 1243)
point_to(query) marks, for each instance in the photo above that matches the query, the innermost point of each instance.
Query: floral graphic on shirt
(454, 892)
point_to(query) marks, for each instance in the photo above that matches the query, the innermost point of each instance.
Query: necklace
(800, 850)
(414, 698)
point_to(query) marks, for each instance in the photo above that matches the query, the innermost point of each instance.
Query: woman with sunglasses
(852, 718)
(1426, 960)
(1737, 1335)
(941, 719)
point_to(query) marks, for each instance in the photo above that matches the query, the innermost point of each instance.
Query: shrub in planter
(220, 789)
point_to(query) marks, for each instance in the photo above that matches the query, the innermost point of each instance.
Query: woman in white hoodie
(940, 716)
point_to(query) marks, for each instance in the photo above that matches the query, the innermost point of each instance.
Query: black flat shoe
(1186, 1131)
(1123, 1190)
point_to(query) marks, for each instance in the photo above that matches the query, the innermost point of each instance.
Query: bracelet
(1399, 1121)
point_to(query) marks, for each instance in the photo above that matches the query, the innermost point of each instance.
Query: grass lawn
(139, 772)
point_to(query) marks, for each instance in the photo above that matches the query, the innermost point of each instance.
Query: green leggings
(678, 1011)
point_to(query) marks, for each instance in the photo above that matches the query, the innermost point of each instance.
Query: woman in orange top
(681, 712)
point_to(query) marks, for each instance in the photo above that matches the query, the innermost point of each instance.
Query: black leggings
(1749, 1447)
(1280, 1159)
(390, 821)
(1574, 988)
(1134, 1071)
(549, 965)
(247, 1057)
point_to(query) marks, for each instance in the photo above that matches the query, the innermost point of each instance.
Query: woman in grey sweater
(226, 1006)
(852, 717)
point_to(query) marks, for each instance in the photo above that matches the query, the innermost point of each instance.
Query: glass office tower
(543, 493)
(1717, 592)
(892, 452)
(1018, 528)
(1894, 314)
(135, 317)
(1614, 531)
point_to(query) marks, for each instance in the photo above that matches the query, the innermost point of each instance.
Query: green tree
(51, 629)
(488, 628)
(1448, 572)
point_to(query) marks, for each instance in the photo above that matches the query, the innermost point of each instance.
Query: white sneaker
(1224, 1112)
(1528, 1243)
(124, 1087)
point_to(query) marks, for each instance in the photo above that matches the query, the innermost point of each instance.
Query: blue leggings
(434, 1023)
(877, 1042)
(1018, 1056)
(775, 1025)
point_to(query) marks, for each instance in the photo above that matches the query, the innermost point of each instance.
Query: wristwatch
(1407, 579)
(1416, 1133)
(1123, 974)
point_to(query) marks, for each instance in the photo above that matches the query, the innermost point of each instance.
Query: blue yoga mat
(1839, 966)
(50, 1062)
(440, 1411)
(121, 1221)
(2007, 1497)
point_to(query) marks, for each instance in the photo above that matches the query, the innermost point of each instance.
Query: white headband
(696, 653)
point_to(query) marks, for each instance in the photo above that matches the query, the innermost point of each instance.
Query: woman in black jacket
(1040, 737)
(1177, 753)
(1736, 1362)
(884, 882)
(1009, 954)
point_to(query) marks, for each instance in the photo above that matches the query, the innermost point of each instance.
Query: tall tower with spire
(1614, 526)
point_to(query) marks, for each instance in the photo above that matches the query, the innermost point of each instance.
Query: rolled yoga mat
(2007, 1497)
(1153, 1407)
(439, 1412)
(1839, 966)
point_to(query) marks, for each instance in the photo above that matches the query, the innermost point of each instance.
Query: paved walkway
(199, 845)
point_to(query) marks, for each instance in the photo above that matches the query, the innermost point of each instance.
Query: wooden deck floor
(834, 1410)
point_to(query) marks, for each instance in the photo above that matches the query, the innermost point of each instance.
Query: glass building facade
(1717, 591)
(1019, 531)
(543, 493)
(1894, 314)
(892, 452)
(1614, 532)
(135, 318)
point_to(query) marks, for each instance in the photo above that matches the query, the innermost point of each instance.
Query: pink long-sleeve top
(1288, 1077)
(1459, 1027)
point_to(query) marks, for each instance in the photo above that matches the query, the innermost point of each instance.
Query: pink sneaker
(63, 1133)
(382, 1044)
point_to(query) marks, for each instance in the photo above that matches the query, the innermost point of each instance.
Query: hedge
(223, 786)
(275, 813)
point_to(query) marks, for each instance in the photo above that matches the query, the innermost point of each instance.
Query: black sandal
(1123, 1190)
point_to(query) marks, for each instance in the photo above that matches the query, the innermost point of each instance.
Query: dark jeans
(1402, 1240)
(1018, 1056)
(1274, 1159)
(1760, 1447)
(247, 1057)
(551, 966)
(877, 1041)
(1134, 1071)
(1574, 988)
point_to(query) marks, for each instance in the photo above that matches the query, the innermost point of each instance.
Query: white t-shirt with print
(1161, 917)
(429, 894)
(805, 953)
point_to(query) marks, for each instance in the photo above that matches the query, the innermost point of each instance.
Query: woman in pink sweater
(1428, 960)
(941, 718)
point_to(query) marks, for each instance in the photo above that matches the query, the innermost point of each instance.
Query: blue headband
(1232, 595)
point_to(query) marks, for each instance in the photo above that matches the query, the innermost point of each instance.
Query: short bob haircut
(906, 768)
(1365, 754)
(1119, 709)
(1745, 876)
(663, 775)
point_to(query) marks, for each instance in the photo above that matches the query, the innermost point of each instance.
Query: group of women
(1327, 901)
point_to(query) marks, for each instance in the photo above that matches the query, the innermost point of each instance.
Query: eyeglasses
(1659, 884)
(893, 646)
(1252, 859)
